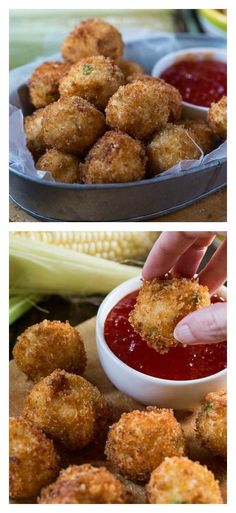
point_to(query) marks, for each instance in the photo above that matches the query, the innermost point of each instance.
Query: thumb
(205, 326)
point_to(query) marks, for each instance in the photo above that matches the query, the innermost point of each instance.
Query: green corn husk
(19, 305)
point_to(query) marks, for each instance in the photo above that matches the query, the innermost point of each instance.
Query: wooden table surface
(212, 208)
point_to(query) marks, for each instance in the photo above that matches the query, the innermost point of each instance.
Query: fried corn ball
(130, 67)
(161, 304)
(34, 133)
(33, 460)
(72, 125)
(140, 441)
(138, 109)
(169, 147)
(63, 166)
(47, 346)
(67, 408)
(168, 91)
(95, 79)
(182, 481)
(84, 484)
(217, 117)
(211, 422)
(116, 157)
(200, 133)
(93, 37)
(44, 82)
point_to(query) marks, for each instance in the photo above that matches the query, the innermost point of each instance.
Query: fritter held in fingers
(211, 422)
(33, 460)
(33, 126)
(44, 82)
(72, 125)
(130, 67)
(140, 441)
(201, 134)
(84, 484)
(116, 157)
(161, 304)
(95, 79)
(139, 109)
(217, 117)
(67, 408)
(47, 346)
(63, 166)
(182, 481)
(92, 37)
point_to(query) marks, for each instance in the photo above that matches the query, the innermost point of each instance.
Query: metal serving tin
(54, 201)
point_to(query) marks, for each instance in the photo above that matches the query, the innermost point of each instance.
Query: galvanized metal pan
(132, 201)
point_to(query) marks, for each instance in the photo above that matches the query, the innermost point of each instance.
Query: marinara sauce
(200, 82)
(180, 363)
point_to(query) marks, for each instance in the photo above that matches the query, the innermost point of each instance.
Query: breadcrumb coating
(34, 462)
(84, 484)
(161, 304)
(116, 157)
(44, 82)
(129, 68)
(68, 408)
(211, 422)
(47, 346)
(201, 133)
(217, 117)
(64, 167)
(33, 126)
(92, 37)
(179, 480)
(140, 441)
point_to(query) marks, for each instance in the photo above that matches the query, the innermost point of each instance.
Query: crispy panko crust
(116, 157)
(217, 117)
(161, 304)
(169, 147)
(33, 126)
(139, 109)
(129, 68)
(33, 460)
(182, 481)
(63, 166)
(72, 125)
(47, 346)
(168, 91)
(93, 37)
(44, 82)
(67, 408)
(95, 79)
(140, 441)
(211, 422)
(201, 133)
(84, 484)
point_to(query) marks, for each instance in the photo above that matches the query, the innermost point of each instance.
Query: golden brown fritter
(44, 82)
(33, 460)
(140, 441)
(34, 133)
(169, 147)
(116, 157)
(161, 304)
(201, 133)
(217, 117)
(92, 37)
(63, 166)
(47, 346)
(211, 422)
(95, 79)
(138, 109)
(129, 68)
(84, 484)
(182, 481)
(72, 125)
(67, 408)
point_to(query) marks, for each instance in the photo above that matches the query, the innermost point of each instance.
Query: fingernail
(183, 334)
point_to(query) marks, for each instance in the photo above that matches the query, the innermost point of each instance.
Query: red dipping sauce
(180, 363)
(200, 82)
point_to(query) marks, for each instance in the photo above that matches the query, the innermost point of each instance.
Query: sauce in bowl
(180, 363)
(200, 82)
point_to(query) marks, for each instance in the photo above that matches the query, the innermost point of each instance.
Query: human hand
(181, 253)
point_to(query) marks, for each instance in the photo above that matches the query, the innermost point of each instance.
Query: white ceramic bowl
(190, 110)
(146, 389)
